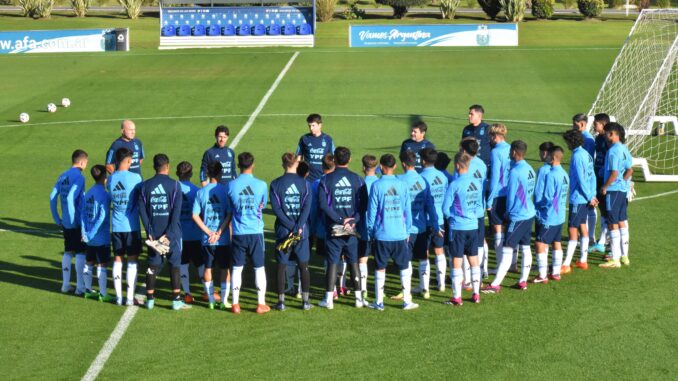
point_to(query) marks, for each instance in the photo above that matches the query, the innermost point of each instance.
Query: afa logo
(324, 144)
(136, 147)
(482, 35)
(482, 131)
(230, 155)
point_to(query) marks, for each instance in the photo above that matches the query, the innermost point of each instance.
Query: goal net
(641, 93)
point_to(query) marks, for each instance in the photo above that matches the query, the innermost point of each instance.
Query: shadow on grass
(35, 229)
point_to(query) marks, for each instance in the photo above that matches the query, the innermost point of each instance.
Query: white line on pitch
(656, 195)
(110, 344)
(261, 105)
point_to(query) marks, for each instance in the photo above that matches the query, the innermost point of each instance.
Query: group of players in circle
(319, 202)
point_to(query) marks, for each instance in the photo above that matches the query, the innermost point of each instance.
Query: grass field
(593, 325)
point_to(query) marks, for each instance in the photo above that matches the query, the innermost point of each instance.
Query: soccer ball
(65, 102)
(51, 107)
(24, 118)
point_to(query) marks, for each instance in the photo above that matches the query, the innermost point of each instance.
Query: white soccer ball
(24, 117)
(51, 107)
(65, 102)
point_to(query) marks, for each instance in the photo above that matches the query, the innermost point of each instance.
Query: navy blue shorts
(99, 254)
(464, 242)
(364, 248)
(320, 247)
(579, 214)
(615, 203)
(248, 245)
(73, 241)
(519, 233)
(601, 198)
(219, 254)
(126, 243)
(418, 245)
(191, 252)
(396, 250)
(481, 231)
(156, 260)
(625, 209)
(435, 241)
(498, 211)
(338, 246)
(301, 253)
(549, 234)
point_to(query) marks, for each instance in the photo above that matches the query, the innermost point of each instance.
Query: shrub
(664, 3)
(36, 8)
(325, 9)
(590, 8)
(448, 8)
(569, 4)
(542, 9)
(490, 7)
(352, 12)
(132, 7)
(642, 4)
(400, 7)
(616, 4)
(80, 7)
(514, 10)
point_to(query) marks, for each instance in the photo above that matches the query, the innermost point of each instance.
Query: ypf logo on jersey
(119, 194)
(292, 200)
(159, 201)
(343, 193)
(246, 199)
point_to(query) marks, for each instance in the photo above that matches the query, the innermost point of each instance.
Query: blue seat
(305, 29)
(259, 30)
(274, 30)
(184, 30)
(213, 30)
(199, 30)
(168, 30)
(228, 30)
(244, 30)
(289, 30)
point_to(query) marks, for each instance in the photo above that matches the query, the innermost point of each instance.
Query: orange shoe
(262, 309)
(217, 296)
(565, 269)
(235, 309)
(205, 298)
(188, 299)
(582, 265)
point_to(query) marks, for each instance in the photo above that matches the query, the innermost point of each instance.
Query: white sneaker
(441, 288)
(365, 303)
(359, 304)
(325, 304)
(410, 306)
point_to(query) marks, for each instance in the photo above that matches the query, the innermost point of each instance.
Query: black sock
(175, 278)
(355, 276)
(150, 278)
(331, 277)
(282, 269)
(305, 277)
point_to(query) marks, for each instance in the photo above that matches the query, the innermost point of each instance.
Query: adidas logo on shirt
(119, 187)
(472, 188)
(66, 181)
(392, 192)
(292, 190)
(477, 175)
(437, 181)
(343, 183)
(246, 192)
(159, 190)
(416, 187)
(530, 176)
(214, 200)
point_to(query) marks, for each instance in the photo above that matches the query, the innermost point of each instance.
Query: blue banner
(51, 41)
(369, 36)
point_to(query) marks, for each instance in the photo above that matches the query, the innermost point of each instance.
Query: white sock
(225, 291)
(457, 280)
(209, 289)
(131, 279)
(616, 244)
(557, 262)
(571, 248)
(201, 271)
(584, 249)
(467, 271)
(441, 269)
(481, 256)
(363, 277)
(236, 281)
(603, 231)
(66, 270)
(498, 247)
(87, 277)
(185, 282)
(475, 279)
(79, 268)
(406, 282)
(504, 265)
(542, 264)
(329, 297)
(102, 273)
(260, 282)
(514, 258)
(624, 234)
(527, 263)
(424, 277)
(379, 281)
(117, 279)
(486, 257)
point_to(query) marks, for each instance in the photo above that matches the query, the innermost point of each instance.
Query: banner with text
(376, 36)
(53, 41)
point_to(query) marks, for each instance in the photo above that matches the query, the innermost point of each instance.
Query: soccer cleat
(457, 302)
(280, 306)
(607, 257)
(426, 294)
(297, 295)
(225, 306)
(610, 265)
(597, 248)
(625, 260)
(306, 306)
(188, 299)
(131, 302)
(539, 279)
(490, 289)
(235, 309)
(118, 301)
(365, 303)
(91, 295)
(358, 304)
(325, 304)
(582, 265)
(79, 293)
(150, 303)
(410, 306)
(106, 298)
(262, 309)
(400, 296)
(475, 298)
(555, 277)
(211, 305)
(441, 288)
(344, 291)
(335, 296)
(514, 269)
(67, 290)
(180, 305)
(217, 296)
(485, 275)
(376, 306)
(565, 269)
(521, 286)
(468, 287)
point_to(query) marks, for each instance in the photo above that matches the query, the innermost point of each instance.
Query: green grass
(593, 325)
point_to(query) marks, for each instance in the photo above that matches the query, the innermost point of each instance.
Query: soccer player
(290, 197)
(499, 175)
(389, 220)
(520, 213)
(550, 201)
(463, 203)
(582, 198)
(191, 235)
(417, 142)
(123, 186)
(313, 146)
(219, 152)
(212, 214)
(365, 246)
(481, 131)
(128, 140)
(160, 202)
(599, 123)
(442, 162)
(438, 183)
(69, 192)
(579, 123)
(339, 200)
(247, 197)
(617, 171)
(96, 226)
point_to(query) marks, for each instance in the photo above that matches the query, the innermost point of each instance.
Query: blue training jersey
(482, 135)
(69, 191)
(601, 152)
(339, 196)
(290, 197)
(463, 200)
(416, 147)
(123, 187)
(226, 157)
(582, 177)
(160, 203)
(478, 170)
(312, 149)
(316, 218)
(389, 216)
(617, 159)
(248, 197)
(500, 164)
(96, 223)
(211, 204)
(437, 183)
(133, 145)
(364, 200)
(551, 199)
(589, 143)
(539, 186)
(520, 192)
(189, 230)
(421, 202)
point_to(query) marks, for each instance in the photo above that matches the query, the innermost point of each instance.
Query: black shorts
(519, 233)
(300, 253)
(418, 245)
(99, 254)
(320, 248)
(219, 254)
(364, 248)
(126, 243)
(464, 242)
(435, 241)
(579, 214)
(396, 250)
(615, 202)
(481, 231)
(191, 252)
(498, 211)
(248, 245)
(346, 246)
(549, 234)
(73, 241)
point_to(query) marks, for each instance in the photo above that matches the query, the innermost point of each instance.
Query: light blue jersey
(582, 177)
(500, 165)
(95, 217)
(123, 186)
(189, 230)
(421, 202)
(629, 164)
(520, 192)
(463, 200)
(364, 198)
(617, 159)
(247, 197)
(437, 182)
(551, 199)
(211, 204)
(389, 215)
(539, 188)
(69, 191)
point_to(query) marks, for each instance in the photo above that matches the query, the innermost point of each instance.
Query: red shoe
(490, 289)
(555, 277)
(565, 269)
(457, 302)
(475, 298)
(468, 287)
(344, 291)
(188, 299)
(539, 279)
(262, 309)
(235, 309)
(521, 286)
(205, 298)
(335, 296)
(582, 265)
